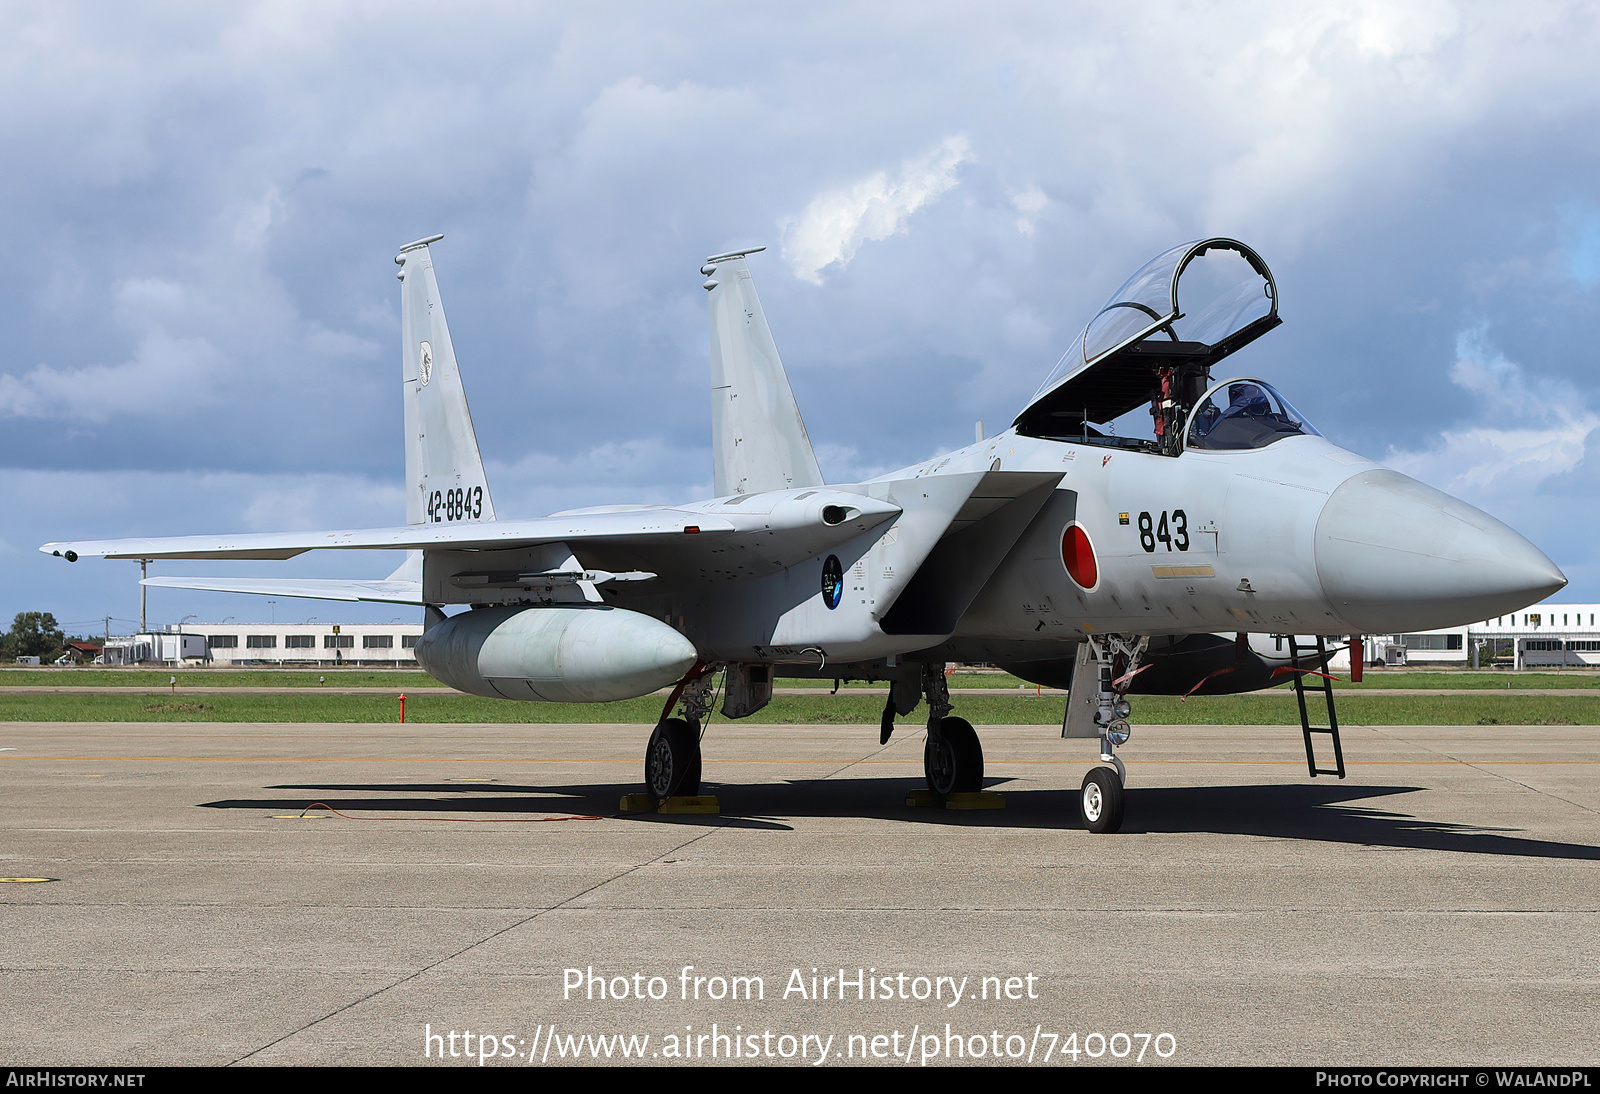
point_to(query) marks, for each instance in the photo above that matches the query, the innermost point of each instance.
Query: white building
(1544, 635)
(169, 648)
(223, 644)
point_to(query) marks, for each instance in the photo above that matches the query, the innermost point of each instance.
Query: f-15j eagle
(1055, 549)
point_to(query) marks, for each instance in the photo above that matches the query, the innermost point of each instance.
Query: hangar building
(223, 644)
(1542, 636)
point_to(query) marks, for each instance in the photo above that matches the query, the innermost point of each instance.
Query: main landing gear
(952, 758)
(672, 758)
(1097, 707)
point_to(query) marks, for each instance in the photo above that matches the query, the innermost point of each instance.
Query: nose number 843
(1174, 532)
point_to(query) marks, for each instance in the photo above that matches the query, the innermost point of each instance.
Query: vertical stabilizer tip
(734, 254)
(413, 245)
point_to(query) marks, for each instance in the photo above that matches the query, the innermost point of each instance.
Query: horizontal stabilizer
(376, 592)
(642, 524)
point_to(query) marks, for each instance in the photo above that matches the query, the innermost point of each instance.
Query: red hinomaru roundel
(1078, 554)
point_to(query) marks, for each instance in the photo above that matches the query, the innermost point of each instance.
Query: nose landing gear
(1097, 707)
(1100, 800)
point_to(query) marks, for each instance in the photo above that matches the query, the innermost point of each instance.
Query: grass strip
(216, 678)
(843, 709)
(416, 678)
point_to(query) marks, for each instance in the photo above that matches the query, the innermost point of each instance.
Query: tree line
(36, 634)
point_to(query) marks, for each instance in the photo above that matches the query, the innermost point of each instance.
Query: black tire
(1100, 800)
(690, 786)
(953, 762)
(672, 760)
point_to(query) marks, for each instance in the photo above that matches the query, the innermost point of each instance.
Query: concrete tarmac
(438, 689)
(1439, 906)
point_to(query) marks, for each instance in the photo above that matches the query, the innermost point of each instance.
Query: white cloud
(1527, 430)
(847, 463)
(1030, 203)
(610, 473)
(296, 503)
(167, 376)
(836, 223)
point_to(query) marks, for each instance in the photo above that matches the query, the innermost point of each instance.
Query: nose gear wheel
(1100, 800)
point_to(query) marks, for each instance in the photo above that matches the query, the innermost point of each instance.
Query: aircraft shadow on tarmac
(1324, 812)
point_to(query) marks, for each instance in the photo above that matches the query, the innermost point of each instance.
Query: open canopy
(1182, 312)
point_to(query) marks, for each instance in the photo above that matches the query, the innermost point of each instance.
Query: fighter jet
(1070, 548)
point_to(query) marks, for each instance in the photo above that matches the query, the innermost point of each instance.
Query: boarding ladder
(1307, 729)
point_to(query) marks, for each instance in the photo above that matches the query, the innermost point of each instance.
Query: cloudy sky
(202, 202)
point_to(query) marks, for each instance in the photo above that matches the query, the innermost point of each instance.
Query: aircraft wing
(377, 591)
(634, 525)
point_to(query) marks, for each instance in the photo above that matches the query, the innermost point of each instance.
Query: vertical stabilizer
(444, 472)
(758, 439)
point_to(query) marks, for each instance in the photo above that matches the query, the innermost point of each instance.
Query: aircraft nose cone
(1394, 555)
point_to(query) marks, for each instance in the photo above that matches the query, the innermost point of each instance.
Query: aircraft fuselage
(1299, 537)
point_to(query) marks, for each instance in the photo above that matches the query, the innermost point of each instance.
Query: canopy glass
(1243, 413)
(1178, 315)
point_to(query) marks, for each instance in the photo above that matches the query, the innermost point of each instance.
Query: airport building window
(338, 641)
(300, 641)
(409, 641)
(223, 642)
(1431, 641)
(377, 641)
(261, 641)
